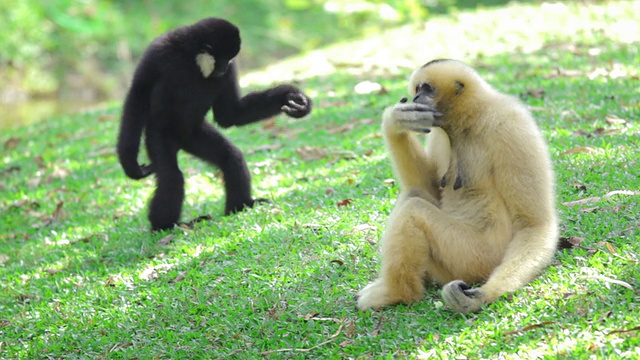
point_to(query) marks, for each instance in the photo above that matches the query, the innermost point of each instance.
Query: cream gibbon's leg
(491, 219)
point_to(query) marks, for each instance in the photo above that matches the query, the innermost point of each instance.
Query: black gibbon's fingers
(461, 297)
(297, 105)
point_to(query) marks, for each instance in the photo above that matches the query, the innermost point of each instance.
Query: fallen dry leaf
(341, 128)
(267, 147)
(181, 276)
(569, 242)
(166, 240)
(607, 196)
(614, 120)
(609, 280)
(588, 210)
(637, 328)
(345, 202)
(580, 149)
(11, 143)
(310, 153)
(58, 213)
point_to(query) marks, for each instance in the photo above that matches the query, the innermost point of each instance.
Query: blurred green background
(57, 55)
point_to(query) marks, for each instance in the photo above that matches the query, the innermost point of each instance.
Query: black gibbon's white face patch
(206, 62)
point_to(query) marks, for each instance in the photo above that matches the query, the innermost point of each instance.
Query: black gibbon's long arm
(134, 119)
(230, 109)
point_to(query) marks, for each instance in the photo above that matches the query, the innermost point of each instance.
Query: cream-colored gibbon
(476, 203)
(182, 75)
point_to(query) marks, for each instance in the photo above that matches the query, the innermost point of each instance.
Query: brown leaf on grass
(166, 240)
(614, 120)
(310, 153)
(607, 196)
(11, 143)
(86, 239)
(535, 93)
(588, 210)
(610, 280)
(337, 261)
(4, 322)
(106, 117)
(181, 276)
(610, 247)
(529, 328)
(58, 213)
(579, 149)
(40, 162)
(267, 147)
(622, 331)
(59, 173)
(27, 204)
(26, 297)
(364, 227)
(10, 170)
(341, 128)
(52, 271)
(4, 259)
(269, 124)
(345, 202)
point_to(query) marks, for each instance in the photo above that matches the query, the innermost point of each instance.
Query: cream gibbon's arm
(415, 170)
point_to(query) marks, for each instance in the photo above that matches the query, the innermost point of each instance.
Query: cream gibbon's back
(476, 204)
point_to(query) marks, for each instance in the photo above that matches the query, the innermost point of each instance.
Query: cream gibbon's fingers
(415, 117)
(477, 204)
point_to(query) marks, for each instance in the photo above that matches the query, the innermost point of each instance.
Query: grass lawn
(82, 277)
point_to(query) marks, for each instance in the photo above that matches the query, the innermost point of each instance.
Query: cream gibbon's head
(218, 43)
(445, 83)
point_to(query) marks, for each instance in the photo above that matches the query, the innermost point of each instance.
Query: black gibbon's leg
(166, 204)
(210, 145)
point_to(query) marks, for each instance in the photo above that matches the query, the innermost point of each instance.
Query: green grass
(82, 277)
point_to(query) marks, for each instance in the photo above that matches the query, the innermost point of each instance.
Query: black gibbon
(476, 204)
(181, 75)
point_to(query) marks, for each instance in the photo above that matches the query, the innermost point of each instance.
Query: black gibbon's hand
(297, 105)
(416, 116)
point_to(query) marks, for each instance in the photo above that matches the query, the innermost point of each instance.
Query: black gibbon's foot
(297, 106)
(403, 100)
(191, 224)
(234, 208)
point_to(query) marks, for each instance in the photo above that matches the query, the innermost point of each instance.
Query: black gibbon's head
(442, 82)
(217, 42)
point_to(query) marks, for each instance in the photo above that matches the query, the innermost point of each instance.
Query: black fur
(168, 100)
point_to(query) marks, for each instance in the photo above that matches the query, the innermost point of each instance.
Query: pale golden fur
(499, 227)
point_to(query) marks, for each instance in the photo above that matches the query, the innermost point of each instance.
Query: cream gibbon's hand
(412, 116)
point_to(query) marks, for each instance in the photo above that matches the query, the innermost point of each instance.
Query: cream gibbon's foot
(462, 297)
